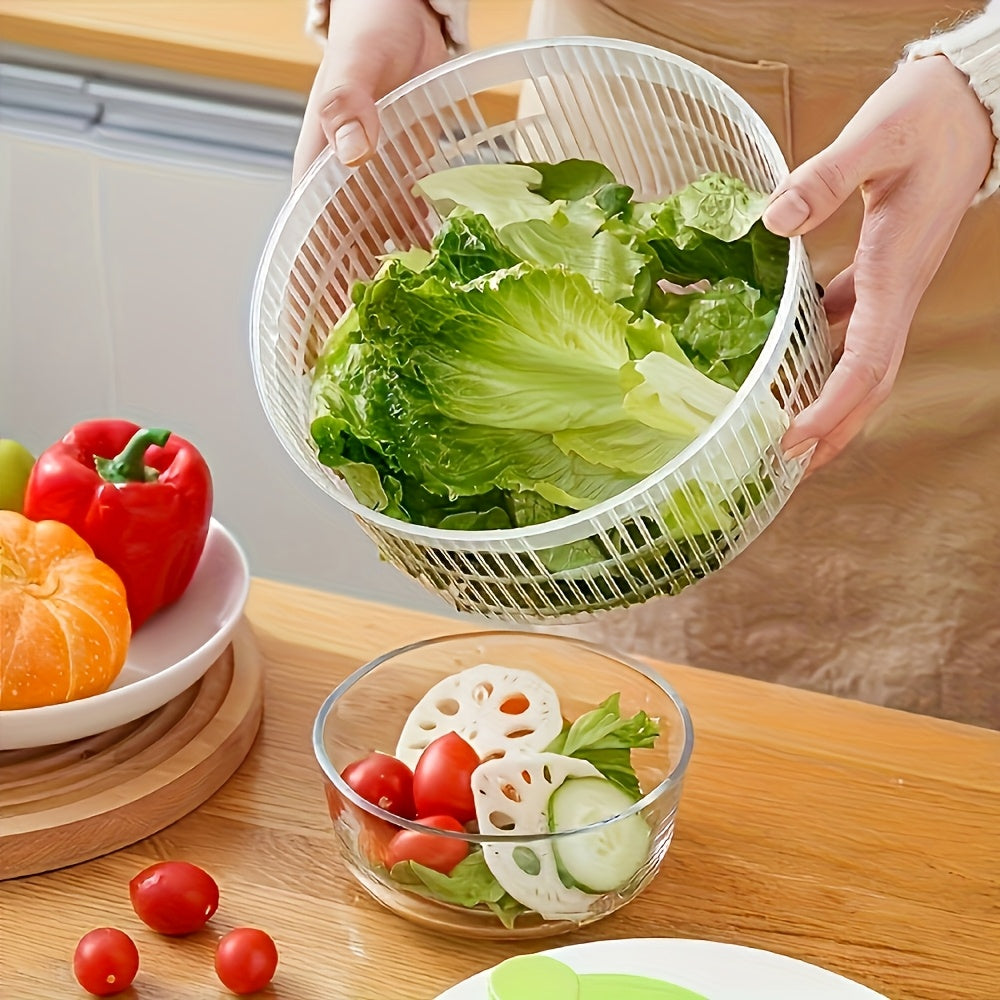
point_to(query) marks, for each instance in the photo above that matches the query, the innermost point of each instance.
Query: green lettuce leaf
(526, 349)
(760, 258)
(529, 363)
(571, 179)
(606, 262)
(507, 909)
(672, 396)
(414, 259)
(467, 247)
(455, 458)
(532, 508)
(728, 321)
(470, 883)
(583, 181)
(721, 329)
(613, 199)
(710, 230)
(700, 510)
(503, 192)
(490, 519)
(606, 739)
(719, 205)
(335, 445)
(533, 351)
(769, 254)
(338, 373)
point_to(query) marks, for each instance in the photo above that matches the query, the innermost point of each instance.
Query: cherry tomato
(174, 897)
(245, 960)
(442, 779)
(428, 849)
(105, 961)
(373, 834)
(383, 781)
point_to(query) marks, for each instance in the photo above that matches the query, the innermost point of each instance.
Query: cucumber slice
(604, 859)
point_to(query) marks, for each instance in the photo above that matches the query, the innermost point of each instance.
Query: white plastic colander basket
(658, 122)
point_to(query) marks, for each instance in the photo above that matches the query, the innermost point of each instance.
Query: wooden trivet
(63, 804)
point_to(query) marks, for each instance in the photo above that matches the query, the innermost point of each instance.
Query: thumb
(340, 112)
(347, 110)
(814, 191)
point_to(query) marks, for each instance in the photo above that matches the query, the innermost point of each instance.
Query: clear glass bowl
(367, 712)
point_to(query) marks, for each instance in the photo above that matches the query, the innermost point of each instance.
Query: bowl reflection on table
(367, 712)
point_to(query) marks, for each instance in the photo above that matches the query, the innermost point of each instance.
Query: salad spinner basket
(658, 122)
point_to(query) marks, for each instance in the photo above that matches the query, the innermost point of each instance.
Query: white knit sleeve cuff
(456, 22)
(974, 48)
(454, 14)
(318, 19)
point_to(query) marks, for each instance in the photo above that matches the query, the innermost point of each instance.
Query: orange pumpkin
(64, 623)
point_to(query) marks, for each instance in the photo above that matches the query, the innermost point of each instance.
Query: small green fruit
(16, 463)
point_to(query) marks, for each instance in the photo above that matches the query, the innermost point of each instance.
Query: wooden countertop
(857, 838)
(247, 41)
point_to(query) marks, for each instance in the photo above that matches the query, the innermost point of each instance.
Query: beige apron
(880, 579)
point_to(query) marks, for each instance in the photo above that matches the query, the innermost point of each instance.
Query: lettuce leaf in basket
(525, 348)
(524, 383)
(466, 247)
(689, 253)
(506, 193)
(721, 329)
(502, 192)
(717, 205)
(523, 220)
(531, 350)
(539, 357)
(570, 180)
(422, 450)
(610, 265)
(588, 191)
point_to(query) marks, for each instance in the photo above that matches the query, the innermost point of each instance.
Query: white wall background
(125, 281)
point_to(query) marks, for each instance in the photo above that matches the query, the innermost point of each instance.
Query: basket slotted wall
(658, 122)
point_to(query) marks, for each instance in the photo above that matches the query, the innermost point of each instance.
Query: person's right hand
(373, 46)
(919, 150)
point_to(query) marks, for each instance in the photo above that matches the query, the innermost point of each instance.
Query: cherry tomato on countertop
(383, 781)
(245, 960)
(174, 897)
(442, 779)
(105, 962)
(428, 849)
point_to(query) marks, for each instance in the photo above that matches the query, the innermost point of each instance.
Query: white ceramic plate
(166, 656)
(717, 971)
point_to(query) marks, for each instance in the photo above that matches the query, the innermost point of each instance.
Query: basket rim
(780, 334)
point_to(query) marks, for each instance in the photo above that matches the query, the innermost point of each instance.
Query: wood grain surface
(64, 804)
(248, 41)
(857, 838)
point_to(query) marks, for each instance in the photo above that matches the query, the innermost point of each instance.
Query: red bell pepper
(141, 498)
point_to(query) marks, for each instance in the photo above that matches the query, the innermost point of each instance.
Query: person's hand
(373, 47)
(919, 150)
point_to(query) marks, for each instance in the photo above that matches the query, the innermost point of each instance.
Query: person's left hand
(919, 150)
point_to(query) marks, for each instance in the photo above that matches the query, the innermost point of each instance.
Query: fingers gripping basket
(658, 122)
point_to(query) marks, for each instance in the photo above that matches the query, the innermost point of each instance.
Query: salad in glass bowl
(503, 784)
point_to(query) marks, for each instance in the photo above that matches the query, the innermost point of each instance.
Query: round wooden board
(60, 805)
